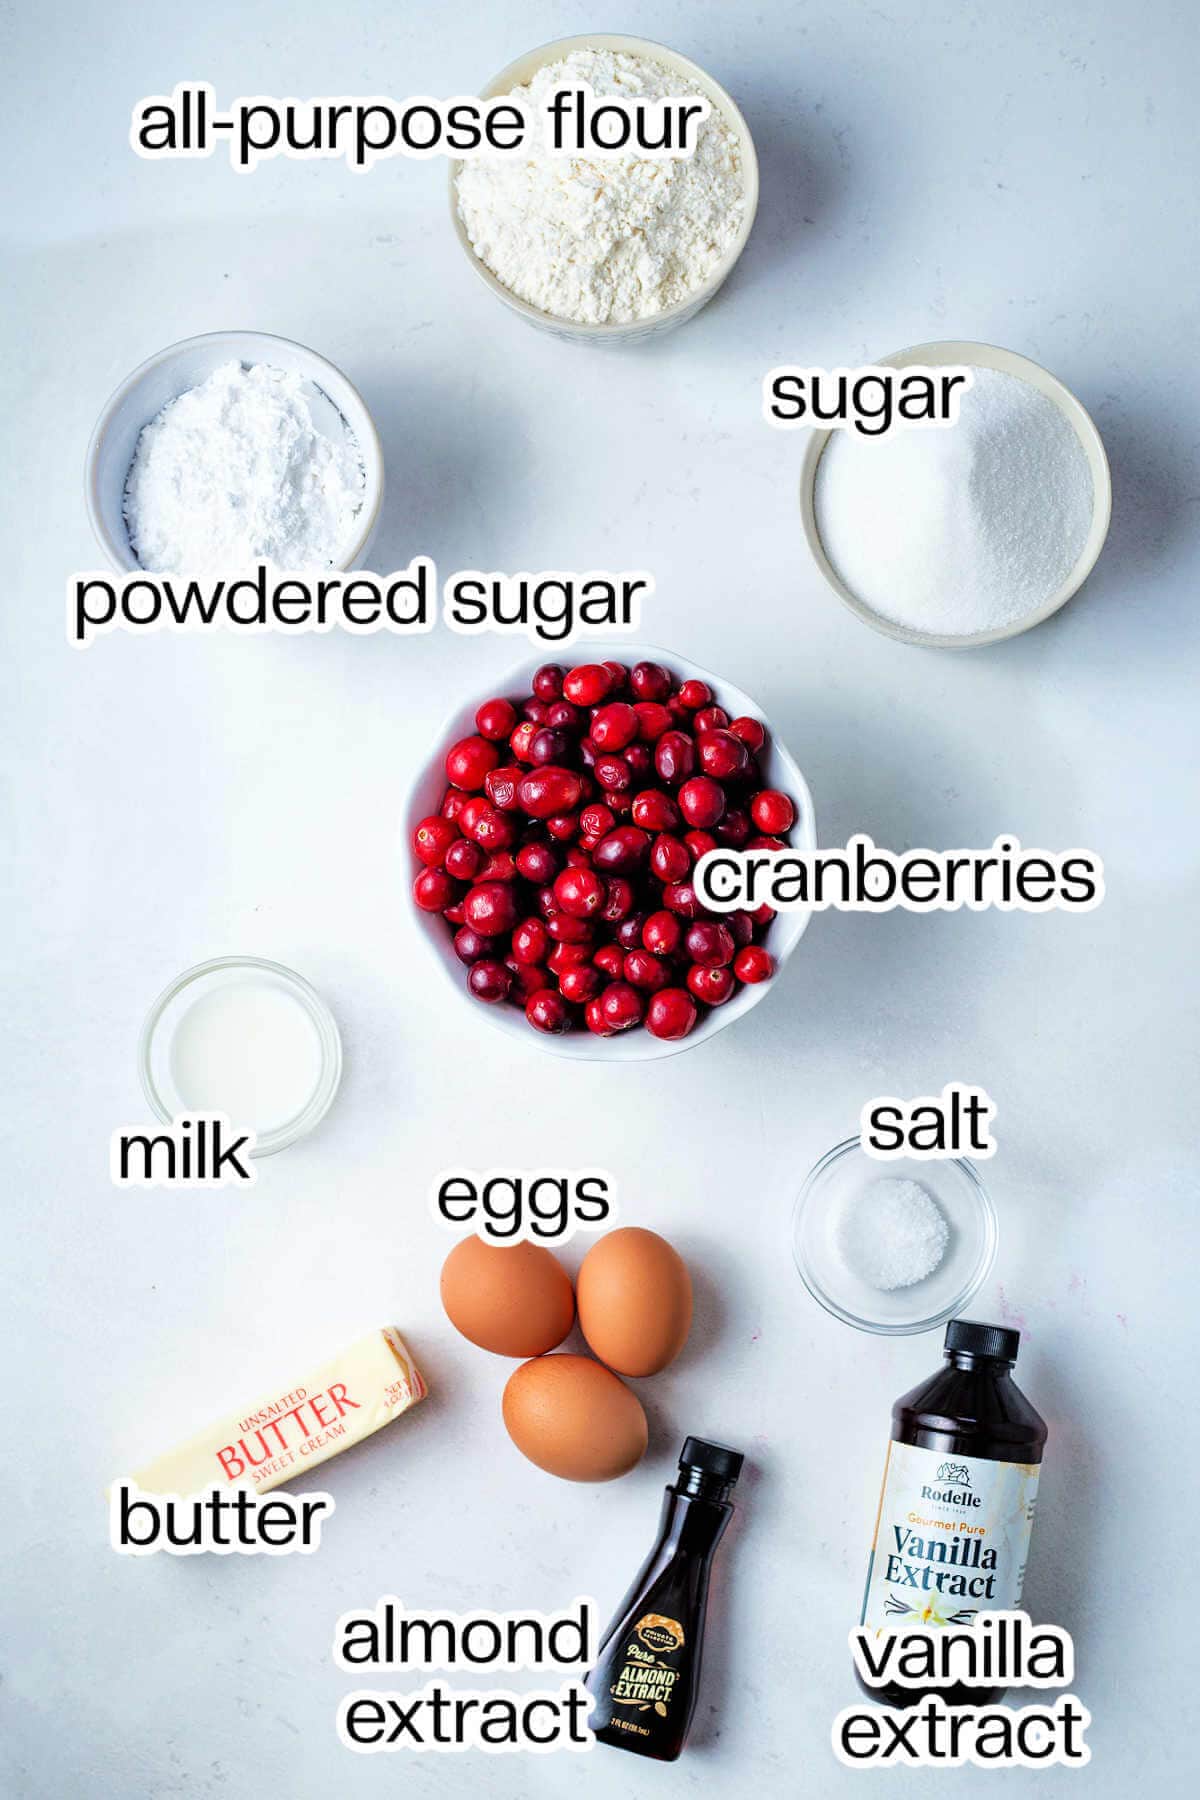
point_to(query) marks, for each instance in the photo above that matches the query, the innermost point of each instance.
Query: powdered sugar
(963, 528)
(609, 240)
(235, 471)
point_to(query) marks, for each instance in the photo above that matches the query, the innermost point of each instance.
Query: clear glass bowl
(953, 1183)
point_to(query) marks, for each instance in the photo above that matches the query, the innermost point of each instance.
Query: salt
(891, 1234)
(964, 528)
(236, 471)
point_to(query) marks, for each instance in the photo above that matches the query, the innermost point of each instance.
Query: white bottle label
(951, 1539)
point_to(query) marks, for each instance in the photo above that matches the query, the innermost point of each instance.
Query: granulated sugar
(963, 528)
(892, 1233)
(605, 240)
(235, 471)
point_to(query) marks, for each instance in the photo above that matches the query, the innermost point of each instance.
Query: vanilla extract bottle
(956, 1511)
(647, 1678)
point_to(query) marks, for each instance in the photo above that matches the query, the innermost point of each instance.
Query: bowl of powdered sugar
(964, 534)
(231, 449)
(610, 248)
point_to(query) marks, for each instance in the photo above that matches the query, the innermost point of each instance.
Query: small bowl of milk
(247, 1039)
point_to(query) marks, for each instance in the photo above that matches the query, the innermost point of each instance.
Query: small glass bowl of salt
(895, 1246)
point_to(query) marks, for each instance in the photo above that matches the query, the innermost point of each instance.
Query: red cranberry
(500, 786)
(537, 862)
(669, 860)
(494, 830)
(454, 915)
(587, 685)
(489, 980)
(548, 746)
(495, 719)
(595, 1021)
(521, 739)
(701, 801)
(653, 719)
(469, 946)
(547, 683)
(643, 970)
(596, 820)
(621, 1006)
(563, 827)
(766, 843)
(614, 726)
(468, 761)
(618, 676)
(500, 866)
(579, 857)
(751, 732)
(629, 931)
(568, 956)
(680, 897)
(655, 811)
(610, 959)
(650, 681)
(640, 758)
(546, 1010)
(662, 933)
(710, 944)
(723, 756)
(580, 892)
(753, 964)
(762, 915)
(772, 811)
(581, 984)
(671, 1013)
(526, 979)
(546, 903)
(434, 891)
(464, 860)
(741, 925)
(712, 986)
(695, 694)
(534, 712)
(564, 717)
(490, 908)
(530, 941)
(565, 928)
(432, 839)
(622, 850)
(674, 757)
(699, 843)
(710, 718)
(544, 792)
(618, 902)
(453, 803)
(614, 774)
(587, 752)
(734, 828)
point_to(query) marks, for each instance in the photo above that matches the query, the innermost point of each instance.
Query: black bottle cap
(711, 1459)
(999, 1341)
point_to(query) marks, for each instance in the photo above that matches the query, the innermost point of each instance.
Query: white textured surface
(932, 169)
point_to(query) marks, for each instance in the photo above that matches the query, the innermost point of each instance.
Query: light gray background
(1021, 174)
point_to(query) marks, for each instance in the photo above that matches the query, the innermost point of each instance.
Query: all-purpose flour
(235, 471)
(609, 240)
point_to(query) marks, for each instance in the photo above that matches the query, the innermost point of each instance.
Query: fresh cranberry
(432, 839)
(695, 694)
(545, 902)
(469, 946)
(699, 843)
(581, 984)
(701, 801)
(710, 944)
(680, 897)
(669, 860)
(546, 1010)
(464, 860)
(674, 757)
(434, 891)
(640, 758)
(490, 908)
(762, 915)
(662, 933)
(500, 786)
(618, 903)
(580, 892)
(568, 956)
(579, 856)
(454, 915)
(564, 717)
(534, 712)
(614, 726)
(629, 931)
(527, 978)
(495, 719)
(565, 928)
(621, 1006)
(530, 941)
(537, 862)
(622, 850)
(650, 681)
(548, 746)
(644, 970)
(547, 683)
(595, 1021)
(766, 843)
(521, 739)
(468, 761)
(453, 803)
(712, 986)
(494, 830)
(741, 925)
(751, 732)
(655, 811)
(587, 752)
(753, 964)
(614, 774)
(500, 866)
(563, 827)
(618, 676)
(544, 792)
(772, 811)
(489, 980)
(610, 958)
(723, 756)
(596, 820)
(587, 685)
(710, 718)
(653, 720)
(734, 828)
(671, 1013)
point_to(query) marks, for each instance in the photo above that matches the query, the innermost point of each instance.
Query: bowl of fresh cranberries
(552, 842)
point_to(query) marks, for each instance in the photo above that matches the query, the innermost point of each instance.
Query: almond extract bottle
(956, 1511)
(648, 1676)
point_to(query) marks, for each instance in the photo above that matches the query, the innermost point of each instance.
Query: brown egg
(574, 1419)
(635, 1301)
(513, 1299)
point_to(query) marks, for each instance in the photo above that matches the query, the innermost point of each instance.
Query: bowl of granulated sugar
(960, 535)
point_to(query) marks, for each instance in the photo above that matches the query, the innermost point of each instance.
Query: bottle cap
(999, 1341)
(711, 1459)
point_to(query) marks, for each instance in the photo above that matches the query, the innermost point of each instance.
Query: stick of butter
(286, 1434)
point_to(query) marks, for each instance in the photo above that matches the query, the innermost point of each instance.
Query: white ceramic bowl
(983, 356)
(162, 378)
(695, 81)
(779, 769)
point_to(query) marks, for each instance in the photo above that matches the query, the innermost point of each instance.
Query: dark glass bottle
(647, 1678)
(956, 1511)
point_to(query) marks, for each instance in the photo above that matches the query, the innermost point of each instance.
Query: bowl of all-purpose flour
(608, 249)
(965, 534)
(230, 449)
